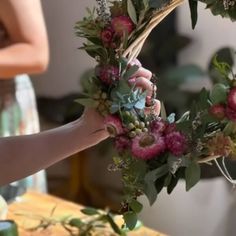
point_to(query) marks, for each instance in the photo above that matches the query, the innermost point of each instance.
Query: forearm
(24, 155)
(20, 58)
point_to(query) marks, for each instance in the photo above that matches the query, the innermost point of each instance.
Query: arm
(21, 156)
(27, 51)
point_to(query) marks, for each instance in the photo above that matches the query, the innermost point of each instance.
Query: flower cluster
(153, 152)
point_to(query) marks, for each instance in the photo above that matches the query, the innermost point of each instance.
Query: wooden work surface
(42, 204)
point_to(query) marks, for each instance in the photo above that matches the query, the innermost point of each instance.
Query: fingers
(142, 72)
(155, 108)
(144, 84)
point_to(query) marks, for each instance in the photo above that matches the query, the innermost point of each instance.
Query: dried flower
(113, 125)
(231, 114)
(108, 74)
(122, 24)
(107, 36)
(176, 142)
(232, 99)
(102, 10)
(122, 143)
(220, 145)
(147, 146)
(218, 111)
(158, 126)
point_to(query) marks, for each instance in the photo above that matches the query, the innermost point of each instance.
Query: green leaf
(114, 226)
(163, 111)
(87, 102)
(130, 219)
(158, 3)
(150, 192)
(218, 94)
(192, 175)
(149, 182)
(157, 173)
(193, 9)
(136, 206)
(203, 99)
(131, 11)
(90, 211)
(76, 222)
(130, 72)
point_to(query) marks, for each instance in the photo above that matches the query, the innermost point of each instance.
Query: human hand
(142, 79)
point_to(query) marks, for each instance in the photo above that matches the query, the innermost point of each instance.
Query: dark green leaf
(114, 226)
(218, 94)
(193, 9)
(158, 3)
(151, 192)
(136, 206)
(76, 222)
(192, 174)
(130, 219)
(90, 211)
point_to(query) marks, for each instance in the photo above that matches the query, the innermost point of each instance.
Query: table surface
(33, 203)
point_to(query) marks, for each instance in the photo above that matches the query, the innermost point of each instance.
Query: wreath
(154, 152)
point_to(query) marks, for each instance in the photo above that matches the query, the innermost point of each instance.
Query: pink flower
(218, 111)
(176, 143)
(121, 24)
(157, 126)
(147, 146)
(107, 36)
(231, 114)
(170, 128)
(232, 99)
(113, 125)
(122, 143)
(108, 74)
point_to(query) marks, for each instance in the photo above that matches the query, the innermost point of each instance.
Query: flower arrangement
(154, 151)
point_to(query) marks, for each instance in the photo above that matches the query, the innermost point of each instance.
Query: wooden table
(42, 204)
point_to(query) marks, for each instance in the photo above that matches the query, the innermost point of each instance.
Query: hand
(94, 125)
(141, 79)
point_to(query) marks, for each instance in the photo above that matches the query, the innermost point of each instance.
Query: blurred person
(23, 49)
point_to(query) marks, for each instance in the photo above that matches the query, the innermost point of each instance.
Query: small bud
(131, 126)
(138, 131)
(104, 96)
(132, 134)
(145, 130)
(142, 125)
(136, 123)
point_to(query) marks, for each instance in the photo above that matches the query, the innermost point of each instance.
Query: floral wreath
(154, 151)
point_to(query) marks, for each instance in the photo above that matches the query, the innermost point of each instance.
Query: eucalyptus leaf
(114, 226)
(90, 211)
(136, 206)
(76, 222)
(130, 219)
(150, 192)
(218, 94)
(192, 175)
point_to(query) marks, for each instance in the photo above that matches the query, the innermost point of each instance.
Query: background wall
(210, 34)
(67, 63)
